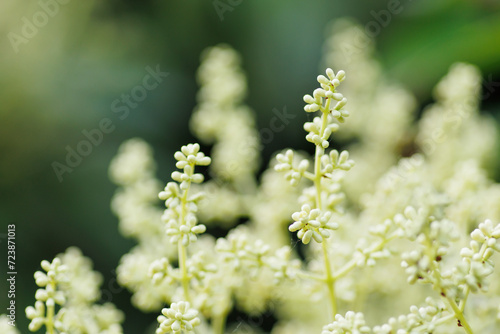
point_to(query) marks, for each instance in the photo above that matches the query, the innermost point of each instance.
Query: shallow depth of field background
(66, 77)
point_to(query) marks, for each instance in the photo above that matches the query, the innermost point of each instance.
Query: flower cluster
(179, 318)
(367, 222)
(327, 92)
(285, 164)
(477, 264)
(312, 223)
(182, 224)
(47, 296)
(65, 301)
(423, 319)
(351, 323)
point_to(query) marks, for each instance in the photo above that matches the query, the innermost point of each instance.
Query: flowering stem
(330, 282)
(182, 266)
(49, 323)
(181, 248)
(460, 316)
(219, 323)
(345, 269)
(309, 176)
(317, 174)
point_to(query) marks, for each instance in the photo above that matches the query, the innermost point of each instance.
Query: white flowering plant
(402, 241)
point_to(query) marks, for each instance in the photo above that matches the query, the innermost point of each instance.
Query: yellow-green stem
(219, 323)
(460, 316)
(330, 282)
(182, 266)
(317, 175)
(49, 324)
(181, 248)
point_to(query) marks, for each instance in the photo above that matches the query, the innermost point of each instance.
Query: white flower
(285, 164)
(185, 232)
(241, 252)
(312, 223)
(283, 266)
(190, 155)
(71, 283)
(179, 318)
(328, 91)
(160, 270)
(36, 315)
(337, 161)
(352, 323)
(133, 162)
(314, 128)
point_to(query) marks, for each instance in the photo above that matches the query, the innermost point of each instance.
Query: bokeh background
(64, 78)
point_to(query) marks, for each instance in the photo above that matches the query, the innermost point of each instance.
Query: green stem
(181, 248)
(182, 266)
(319, 153)
(219, 323)
(310, 176)
(329, 280)
(345, 269)
(460, 316)
(49, 324)
(317, 174)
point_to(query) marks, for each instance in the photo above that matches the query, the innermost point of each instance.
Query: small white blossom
(185, 232)
(283, 266)
(178, 318)
(352, 323)
(312, 223)
(241, 252)
(285, 164)
(190, 155)
(314, 128)
(160, 270)
(328, 91)
(36, 315)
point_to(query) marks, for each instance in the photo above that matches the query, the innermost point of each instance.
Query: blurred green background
(64, 79)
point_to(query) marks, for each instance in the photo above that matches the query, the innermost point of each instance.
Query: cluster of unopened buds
(238, 250)
(285, 164)
(314, 131)
(351, 323)
(477, 264)
(327, 91)
(312, 223)
(48, 295)
(179, 216)
(188, 157)
(178, 318)
(334, 160)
